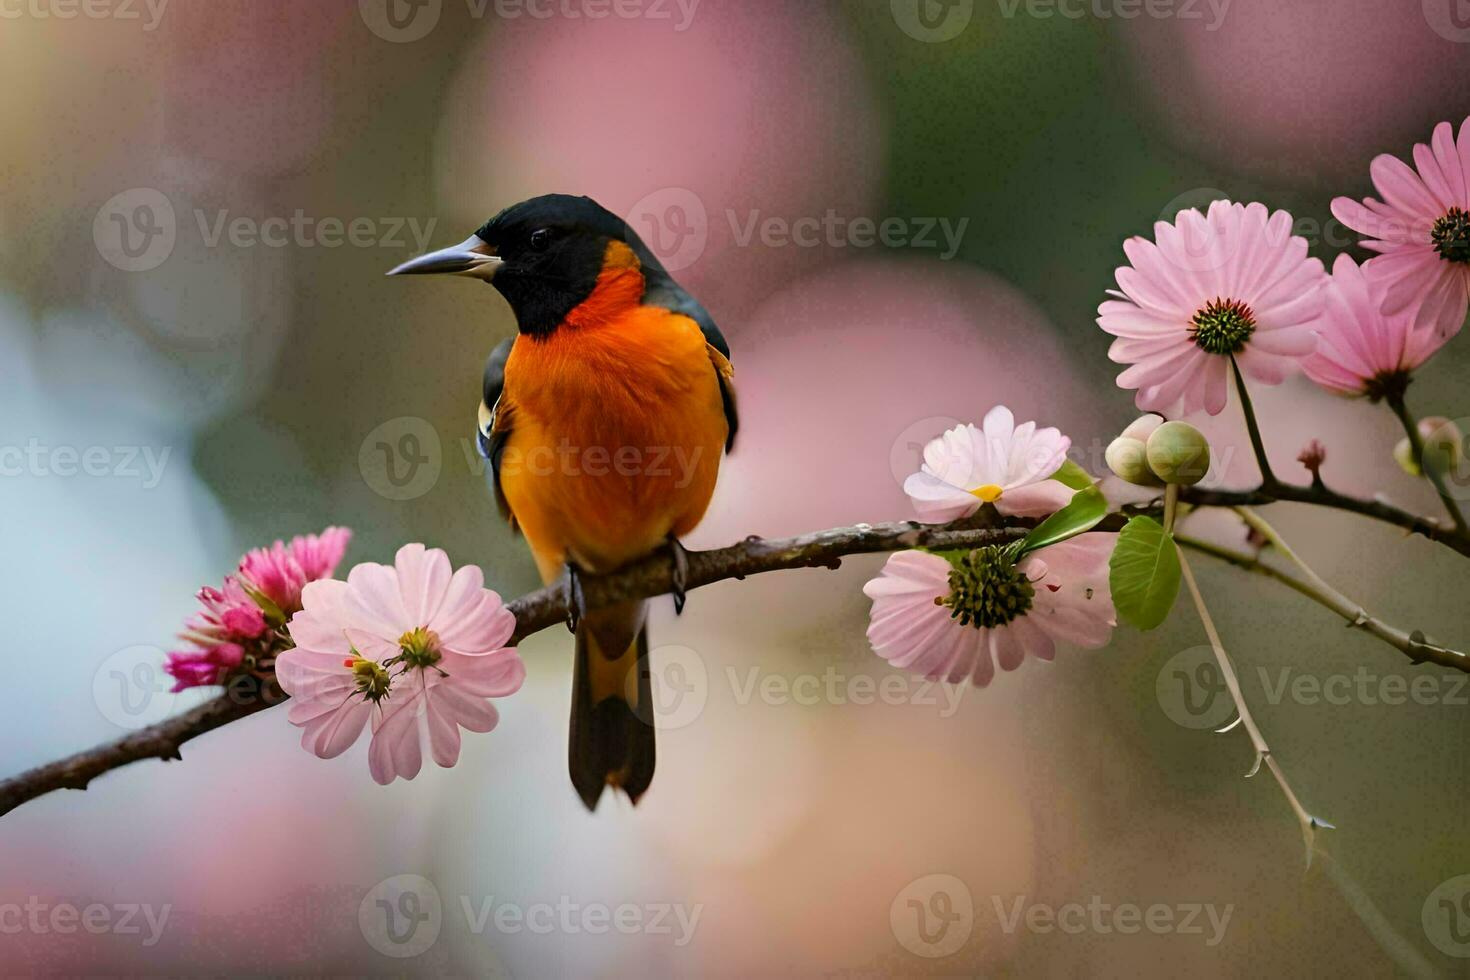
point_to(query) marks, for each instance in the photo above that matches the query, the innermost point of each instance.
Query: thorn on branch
(1417, 642)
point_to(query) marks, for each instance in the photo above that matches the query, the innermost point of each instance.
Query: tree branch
(1324, 497)
(653, 576)
(534, 612)
(1412, 645)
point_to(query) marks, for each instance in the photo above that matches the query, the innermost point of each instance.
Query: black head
(544, 256)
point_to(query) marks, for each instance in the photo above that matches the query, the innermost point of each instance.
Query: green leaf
(1144, 573)
(1082, 514)
(1073, 476)
(273, 613)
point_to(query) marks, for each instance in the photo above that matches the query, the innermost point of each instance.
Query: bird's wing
(726, 375)
(664, 292)
(495, 421)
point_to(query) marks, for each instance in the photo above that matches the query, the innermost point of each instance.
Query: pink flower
(1003, 463)
(1235, 282)
(412, 648)
(1422, 229)
(281, 571)
(219, 637)
(952, 620)
(199, 668)
(1360, 349)
(233, 632)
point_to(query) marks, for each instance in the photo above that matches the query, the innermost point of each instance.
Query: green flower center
(371, 678)
(986, 589)
(419, 648)
(1451, 236)
(1223, 326)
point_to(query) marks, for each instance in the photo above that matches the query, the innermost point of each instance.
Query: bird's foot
(680, 575)
(576, 597)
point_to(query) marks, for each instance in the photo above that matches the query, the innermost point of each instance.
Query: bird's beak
(472, 257)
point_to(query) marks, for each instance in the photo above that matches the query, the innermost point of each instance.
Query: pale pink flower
(956, 621)
(281, 571)
(1235, 282)
(1362, 350)
(1422, 229)
(413, 647)
(1002, 463)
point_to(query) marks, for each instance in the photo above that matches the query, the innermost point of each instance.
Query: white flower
(1004, 464)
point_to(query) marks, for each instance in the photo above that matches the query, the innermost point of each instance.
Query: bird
(604, 420)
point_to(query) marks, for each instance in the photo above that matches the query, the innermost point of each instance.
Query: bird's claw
(576, 597)
(679, 577)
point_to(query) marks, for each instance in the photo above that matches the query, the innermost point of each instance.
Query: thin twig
(1252, 428)
(1426, 466)
(1412, 645)
(1309, 823)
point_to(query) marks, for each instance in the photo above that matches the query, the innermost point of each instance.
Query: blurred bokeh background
(198, 202)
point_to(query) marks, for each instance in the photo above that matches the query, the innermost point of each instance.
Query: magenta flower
(200, 668)
(952, 620)
(1004, 464)
(281, 571)
(1233, 283)
(1422, 229)
(234, 632)
(219, 636)
(414, 648)
(1360, 349)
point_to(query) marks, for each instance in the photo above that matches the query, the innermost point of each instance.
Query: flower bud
(1143, 427)
(1178, 453)
(1443, 446)
(1128, 460)
(1313, 455)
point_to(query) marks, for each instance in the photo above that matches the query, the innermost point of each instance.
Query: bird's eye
(540, 239)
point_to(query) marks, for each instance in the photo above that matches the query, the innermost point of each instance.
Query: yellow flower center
(989, 493)
(419, 647)
(371, 679)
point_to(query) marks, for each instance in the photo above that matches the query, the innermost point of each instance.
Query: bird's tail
(612, 707)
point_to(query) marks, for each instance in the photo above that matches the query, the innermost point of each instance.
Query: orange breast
(617, 426)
